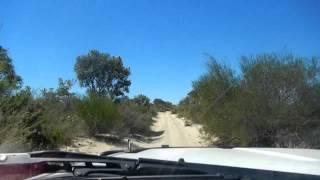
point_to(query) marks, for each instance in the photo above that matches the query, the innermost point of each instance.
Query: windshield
(93, 76)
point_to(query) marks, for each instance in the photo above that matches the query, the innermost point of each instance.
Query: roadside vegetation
(162, 106)
(50, 118)
(273, 102)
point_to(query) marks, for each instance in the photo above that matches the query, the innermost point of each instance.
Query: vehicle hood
(301, 161)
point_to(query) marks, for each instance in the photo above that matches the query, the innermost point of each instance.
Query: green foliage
(9, 80)
(134, 122)
(142, 103)
(60, 116)
(162, 106)
(21, 117)
(103, 74)
(126, 117)
(142, 100)
(99, 113)
(54, 117)
(39, 123)
(44, 121)
(136, 117)
(273, 103)
(64, 87)
(281, 90)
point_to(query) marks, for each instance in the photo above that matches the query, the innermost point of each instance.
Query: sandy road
(175, 134)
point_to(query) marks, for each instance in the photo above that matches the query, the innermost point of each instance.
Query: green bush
(52, 118)
(162, 106)
(39, 123)
(21, 119)
(59, 117)
(133, 121)
(136, 119)
(99, 113)
(274, 102)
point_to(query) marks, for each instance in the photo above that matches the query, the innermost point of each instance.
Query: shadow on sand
(118, 140)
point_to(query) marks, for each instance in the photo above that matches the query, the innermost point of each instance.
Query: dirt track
(172, 130)
(175, 133)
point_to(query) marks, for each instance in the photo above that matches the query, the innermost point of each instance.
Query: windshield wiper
(152, 169)
(142, 167)
(60, 154)
(82, 164)
(158, 167)
(86, 166)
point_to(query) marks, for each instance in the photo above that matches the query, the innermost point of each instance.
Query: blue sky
(164, 42)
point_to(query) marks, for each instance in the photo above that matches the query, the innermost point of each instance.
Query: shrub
(59, 117)
(161, 105)
(99, 113)
(274, 102)
(135, 122)
(136, 117)
(21, 117)
(39, 123)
